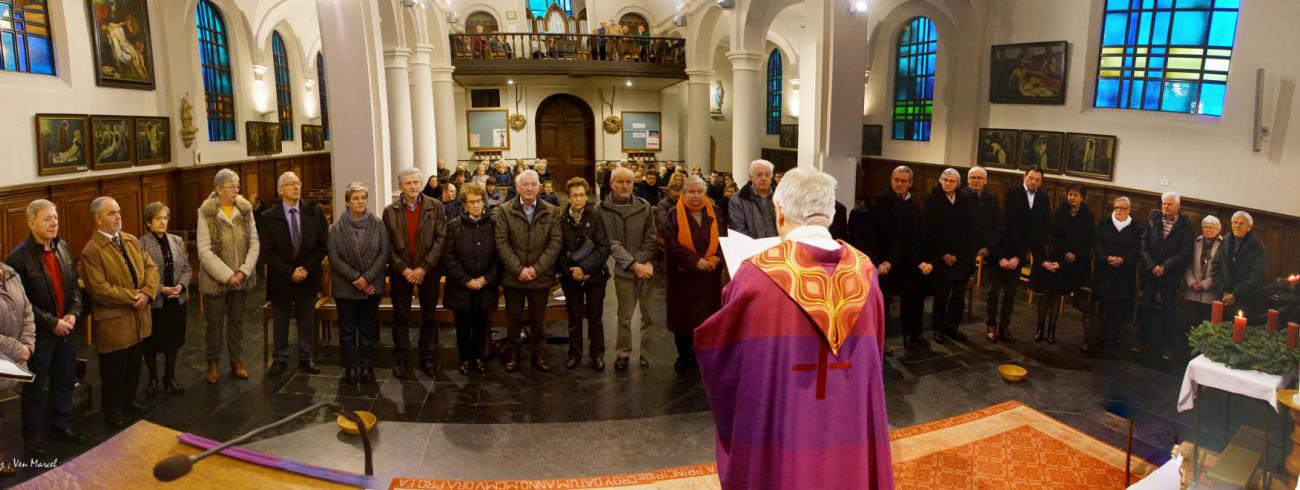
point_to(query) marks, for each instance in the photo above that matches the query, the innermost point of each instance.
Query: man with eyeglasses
(294, 243)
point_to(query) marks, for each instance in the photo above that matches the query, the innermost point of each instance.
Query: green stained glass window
(918, 48)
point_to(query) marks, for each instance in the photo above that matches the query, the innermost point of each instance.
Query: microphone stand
(177, 466)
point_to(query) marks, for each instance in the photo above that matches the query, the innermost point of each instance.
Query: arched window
(481, 18)
(283, 96)
(774, 92)
(26, 43)
(914, 80)
(214, 51)
(1166, 56)
(324, 97)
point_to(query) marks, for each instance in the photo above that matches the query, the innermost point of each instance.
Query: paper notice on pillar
(499, 138)
(474, 141)
(638, 125)
(652, 140)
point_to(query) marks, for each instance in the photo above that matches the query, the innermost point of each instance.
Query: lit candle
(1216, 312)
(1272, 321)
(1292, 334)
(1293, 278)
(1239, 328)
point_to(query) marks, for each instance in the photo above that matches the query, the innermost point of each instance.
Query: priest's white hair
(806, 196)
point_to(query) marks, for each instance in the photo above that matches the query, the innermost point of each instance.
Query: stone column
(350, 36)
(444, 113)
(424, 132)
(832, 82)
(746, 112)
(697, 117)
(398, 76)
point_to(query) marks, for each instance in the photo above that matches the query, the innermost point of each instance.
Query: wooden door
(566, 139)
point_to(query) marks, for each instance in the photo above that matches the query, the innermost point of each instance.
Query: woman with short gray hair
(358, 252)
(1199, 276)
(228, 250)
(168, 309)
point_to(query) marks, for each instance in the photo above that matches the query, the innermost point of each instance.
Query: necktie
(295, 235)
(135, 280)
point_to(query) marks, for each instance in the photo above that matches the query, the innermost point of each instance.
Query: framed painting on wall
(872, 139)
(61, 141)
(1090, 155)
(111, 142)
(255, 137)
(789, 136)
(1030, 73)
(313, 137)
(120, 32)
(487, 129)
(153, 140)
(1042, 148)
(272, 136)
(998, 148)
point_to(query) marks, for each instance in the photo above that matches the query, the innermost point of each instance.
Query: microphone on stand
(179, 465)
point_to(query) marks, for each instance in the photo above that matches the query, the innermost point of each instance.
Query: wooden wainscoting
(182, 189)
(1280, 232)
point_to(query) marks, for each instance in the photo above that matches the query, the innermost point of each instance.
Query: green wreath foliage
(1261, 351)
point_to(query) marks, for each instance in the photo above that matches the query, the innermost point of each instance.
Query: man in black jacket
(948, 226)
(1027, 218)
(901, 262)
(986, 234)
(1166, 251)
(49, 277)
(294, 240)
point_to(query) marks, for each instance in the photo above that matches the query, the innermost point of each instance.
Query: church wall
(1205, 157)
(720, 126)
(176, 72)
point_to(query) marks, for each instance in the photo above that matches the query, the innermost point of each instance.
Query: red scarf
(684, 227)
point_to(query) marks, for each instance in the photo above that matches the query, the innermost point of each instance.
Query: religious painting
(1042, 148)
(61, 141)
(997, 148)
(789, 136)
(715, 98)
(153, 140)
(123, 52)
(111, 142)
(1090, 155)
(271, 135)
(313, 137)
(1031, 73)
(258, 144)
(872, 139)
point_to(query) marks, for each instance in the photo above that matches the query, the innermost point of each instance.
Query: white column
(832, 76)
(350, 36)
(398, 77)
(424, 132)
(746, 112)
(444, 113)
(697, 117)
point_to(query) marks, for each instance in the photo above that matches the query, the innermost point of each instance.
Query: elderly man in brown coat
(417, 228)
(122, 281)
(528, 238)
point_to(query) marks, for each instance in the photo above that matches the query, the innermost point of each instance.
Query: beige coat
(17, 323)
(117, 324)
(226, 245)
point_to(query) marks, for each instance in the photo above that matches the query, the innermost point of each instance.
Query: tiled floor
(922, 385)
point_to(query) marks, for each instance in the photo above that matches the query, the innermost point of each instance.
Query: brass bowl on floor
(1012, 373)
(351, 428)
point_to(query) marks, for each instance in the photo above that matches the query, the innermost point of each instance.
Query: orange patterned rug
(1006, 446)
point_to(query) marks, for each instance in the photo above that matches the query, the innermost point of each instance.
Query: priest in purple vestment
(792, 361)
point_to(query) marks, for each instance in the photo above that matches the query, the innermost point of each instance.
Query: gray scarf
(354, 252)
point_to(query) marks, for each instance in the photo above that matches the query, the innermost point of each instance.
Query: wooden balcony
(575, 55)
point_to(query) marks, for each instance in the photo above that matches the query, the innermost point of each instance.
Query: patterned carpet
(1006, 446)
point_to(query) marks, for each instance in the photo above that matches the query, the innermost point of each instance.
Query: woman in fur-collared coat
(228, 249)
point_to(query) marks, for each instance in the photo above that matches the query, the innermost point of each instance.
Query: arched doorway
(566, 138)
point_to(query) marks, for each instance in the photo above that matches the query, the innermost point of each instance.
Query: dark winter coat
(1074, 234)
(1111, 283)
(28, 261)
(584, 244)
(1240, 268)
(523, 244)
(862, 231)
(1174, 252)
(948, 231)
(1025, 229)
(840, 222)
(280, 257)
(900, 231)
(692, 295)
(747, 215)
(987, 231)
(471, 253)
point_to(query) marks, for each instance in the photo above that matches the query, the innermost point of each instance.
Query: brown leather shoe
(237, 370)
(211, 376)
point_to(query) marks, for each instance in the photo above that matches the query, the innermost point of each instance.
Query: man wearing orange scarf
(694, 267)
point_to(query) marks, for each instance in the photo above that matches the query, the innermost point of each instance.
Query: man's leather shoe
(35, 447)
(572, 362)
(464, 368)
(620, 364)
(426, 365)
(367, 375)
(172, 386)
(151, 388)
(237, 370)
(644, 363)
(137, 407)
(940, 338)
(400, 369)
(211, 375)
(542, 365)
(70, 435)
(480, 366)
(277, 368)
(956, 334)
(598, 364)
(308, 367)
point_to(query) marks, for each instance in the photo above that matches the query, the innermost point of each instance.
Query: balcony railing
(661, 51)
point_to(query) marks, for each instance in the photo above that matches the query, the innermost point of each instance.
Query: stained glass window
(283, 96)
(538, 7)
(26, 44)
(214, 53)
(774, 92)
(324, 98)
(918, 46)
(1166, 55)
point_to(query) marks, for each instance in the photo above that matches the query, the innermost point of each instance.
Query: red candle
(1272, 321)
(1239, 328)
(1216, 312)
(1292, 334)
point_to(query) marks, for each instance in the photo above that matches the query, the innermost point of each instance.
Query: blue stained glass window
(26, 44)
(324, 97)
(774, 92)
(918, 46)
(538, 7)
(214, 57)
(283, 95)
(1166, 55)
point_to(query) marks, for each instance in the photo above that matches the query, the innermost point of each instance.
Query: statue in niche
(188, 130)
(716, 98)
